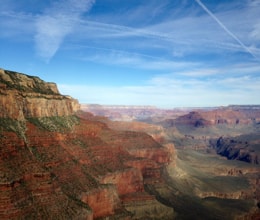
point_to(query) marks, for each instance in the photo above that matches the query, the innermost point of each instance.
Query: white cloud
(167, 91)
(57, 22)
(255, 33)
(134, 60)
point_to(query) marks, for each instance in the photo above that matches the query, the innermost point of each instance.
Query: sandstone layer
(56, 163)
(219, 116)
(23, 96)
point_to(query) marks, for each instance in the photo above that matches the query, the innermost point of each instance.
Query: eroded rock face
(232, 116)
(58, 165)
(200, 183)
(104, 201)
(29, 189)
(238, 148)
(126, 181)
(89, 167)
(213, 117)
(227, 116)
(23, 96)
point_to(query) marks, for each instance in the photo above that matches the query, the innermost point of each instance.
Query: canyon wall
(215, 117)
(198, 181)
(242, 148)
(59, 163)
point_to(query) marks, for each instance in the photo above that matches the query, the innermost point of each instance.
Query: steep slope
(198, 183)
(59, 164)
(244, 147)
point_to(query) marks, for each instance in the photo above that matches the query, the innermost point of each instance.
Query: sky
(164, 53)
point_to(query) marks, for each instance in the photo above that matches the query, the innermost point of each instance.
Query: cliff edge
(23, 96)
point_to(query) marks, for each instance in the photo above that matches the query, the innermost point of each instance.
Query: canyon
(63, 160)
(197, 177)
(59, 163)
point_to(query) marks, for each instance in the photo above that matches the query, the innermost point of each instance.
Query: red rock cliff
(215, 117)
(70, 166)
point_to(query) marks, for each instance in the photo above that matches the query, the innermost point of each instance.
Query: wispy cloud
(255, 34)
(204, 87)
(134, 60)
(175, 36)
(169, 92)
(225, 28)
(57, 22)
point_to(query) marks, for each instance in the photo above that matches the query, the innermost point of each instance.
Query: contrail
(225, 28)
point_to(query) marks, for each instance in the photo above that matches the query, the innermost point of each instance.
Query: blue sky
(167, 53)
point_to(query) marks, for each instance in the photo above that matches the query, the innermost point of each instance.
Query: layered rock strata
(56, 164)
(217, 117)
(23, 96)
(242, 148)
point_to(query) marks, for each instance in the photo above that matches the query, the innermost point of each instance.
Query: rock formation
(56, 163)
(198, 183)
(239, 148)
(23, 96)
(215, 117)
(131, 113)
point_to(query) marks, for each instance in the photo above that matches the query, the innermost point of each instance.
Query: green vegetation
(79, 143)
(12, 125)
(39, 85)
(36, 153)
(55, 123)
(93, 183)
(78, 202)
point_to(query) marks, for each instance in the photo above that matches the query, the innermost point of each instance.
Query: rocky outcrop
(193, 118)
(231, 195)
(126, 181)
(149, 208)
(56, 164)
(219, 116)
(23, 96)
(238, 148)
(226, 116)
(211, 118)
(104, 201)
(200, 183)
